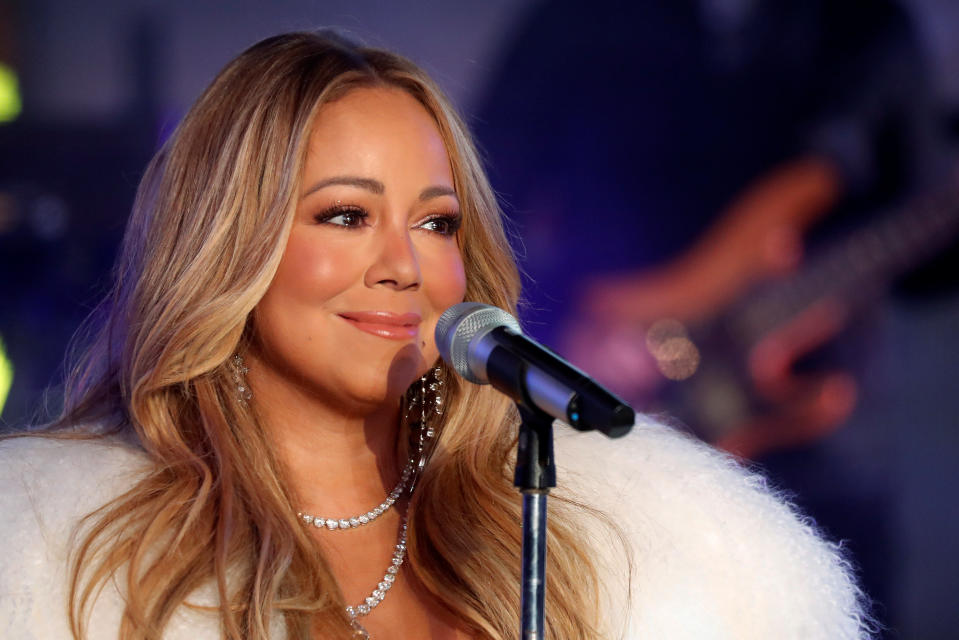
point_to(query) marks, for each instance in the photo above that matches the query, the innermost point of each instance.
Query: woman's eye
(342, 216)
(445, 225)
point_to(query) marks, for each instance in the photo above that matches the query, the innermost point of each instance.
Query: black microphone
(485, 345)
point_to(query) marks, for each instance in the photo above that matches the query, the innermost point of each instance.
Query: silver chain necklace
(399, 551)
(336, 524)
(360, 610)
(428, 403)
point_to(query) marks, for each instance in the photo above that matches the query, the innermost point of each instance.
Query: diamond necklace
(335, 524)
(399, 552)
(360, 610)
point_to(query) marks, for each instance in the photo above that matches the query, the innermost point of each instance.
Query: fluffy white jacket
(714, 554)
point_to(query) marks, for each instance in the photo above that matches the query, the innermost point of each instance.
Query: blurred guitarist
(661, 160)
(664, 159)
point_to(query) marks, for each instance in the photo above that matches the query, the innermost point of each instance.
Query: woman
(243, 446)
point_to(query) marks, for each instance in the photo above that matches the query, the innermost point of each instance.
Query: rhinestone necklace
(360, 610)
(335, 524)
(399, 553)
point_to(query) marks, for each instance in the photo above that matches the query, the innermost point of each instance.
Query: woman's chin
(371, 399)
(358, 385)
(379, 391)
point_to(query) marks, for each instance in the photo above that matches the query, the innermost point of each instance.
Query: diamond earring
(239, 371)
(423, 410)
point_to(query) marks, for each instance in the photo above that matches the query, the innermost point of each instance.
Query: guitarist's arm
(758, 236)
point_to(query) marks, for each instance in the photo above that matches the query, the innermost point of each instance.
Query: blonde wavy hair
(207, 232)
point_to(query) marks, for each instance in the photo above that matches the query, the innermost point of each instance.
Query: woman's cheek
(453, 289)
(317, 271)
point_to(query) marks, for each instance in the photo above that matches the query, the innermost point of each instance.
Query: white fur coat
(714, 554)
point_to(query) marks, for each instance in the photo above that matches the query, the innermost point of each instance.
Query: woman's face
(373, 257)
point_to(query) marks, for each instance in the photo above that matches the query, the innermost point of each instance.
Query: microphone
(485, 345)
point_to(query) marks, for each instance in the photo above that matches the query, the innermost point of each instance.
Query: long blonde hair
(206, 234)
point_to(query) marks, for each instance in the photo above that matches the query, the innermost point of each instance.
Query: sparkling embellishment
(359, 633)
(370, 602)
(425, 403)
(415, 464)
(334, 524)
(239, 370)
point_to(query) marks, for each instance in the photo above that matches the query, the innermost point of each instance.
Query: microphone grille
(464, 324)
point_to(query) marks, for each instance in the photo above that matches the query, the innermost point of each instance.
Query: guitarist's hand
(758, 237)
(809, 406)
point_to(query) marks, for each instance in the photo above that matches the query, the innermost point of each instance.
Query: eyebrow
(435, 192)
(373, 186)
(377, 187)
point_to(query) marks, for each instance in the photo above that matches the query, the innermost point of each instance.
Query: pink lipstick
(394, 326)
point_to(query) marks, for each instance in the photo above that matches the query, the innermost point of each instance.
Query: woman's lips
(395, 326)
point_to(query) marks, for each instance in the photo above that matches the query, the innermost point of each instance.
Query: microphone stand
(535, 476)
(517, 372)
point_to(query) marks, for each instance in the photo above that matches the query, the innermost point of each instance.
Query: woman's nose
(396, 264)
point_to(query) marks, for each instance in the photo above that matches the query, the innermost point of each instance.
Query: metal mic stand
(535, 476)
(517, 372)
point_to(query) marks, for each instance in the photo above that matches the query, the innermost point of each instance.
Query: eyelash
(338, 210)
(451, 220)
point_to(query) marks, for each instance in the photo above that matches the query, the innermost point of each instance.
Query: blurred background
(741, 214)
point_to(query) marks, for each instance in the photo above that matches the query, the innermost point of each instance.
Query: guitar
(713, 337)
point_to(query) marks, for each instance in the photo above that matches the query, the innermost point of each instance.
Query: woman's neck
(339, 460)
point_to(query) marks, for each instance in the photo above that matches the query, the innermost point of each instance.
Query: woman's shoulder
(53, 480)
(715, 552)
(66, 474)
(47, 486)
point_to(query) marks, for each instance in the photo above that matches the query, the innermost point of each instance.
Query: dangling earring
(239, 371)
(423, 410)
